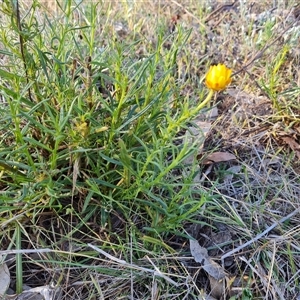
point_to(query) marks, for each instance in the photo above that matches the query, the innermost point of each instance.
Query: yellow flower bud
(218, 77)
(83, 129)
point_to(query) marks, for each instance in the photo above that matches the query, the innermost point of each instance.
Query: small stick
(259, 236)
(27, 251)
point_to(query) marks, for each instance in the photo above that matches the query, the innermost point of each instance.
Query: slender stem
(194, 112)
(204, 103)
(19, 263)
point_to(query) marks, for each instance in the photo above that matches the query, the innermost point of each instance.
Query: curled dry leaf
(201, 256)
(292, 144)
(218, 157)
(4, 279)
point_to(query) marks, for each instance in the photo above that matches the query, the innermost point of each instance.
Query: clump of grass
(96, 101)
(88, 133)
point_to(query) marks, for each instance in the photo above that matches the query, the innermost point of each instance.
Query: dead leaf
(271, 161)
(201, 256)
(40, 293)
(293, 144)
(230, 172)
(4, 278)
(217, 287)
(218, 157)
(30, 296)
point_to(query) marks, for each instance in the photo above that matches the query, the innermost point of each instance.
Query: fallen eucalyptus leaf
(218, 157)
(201, 256)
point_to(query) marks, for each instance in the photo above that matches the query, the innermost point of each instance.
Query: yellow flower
(218, 77)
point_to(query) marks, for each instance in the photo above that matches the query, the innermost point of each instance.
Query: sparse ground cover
(117, 182)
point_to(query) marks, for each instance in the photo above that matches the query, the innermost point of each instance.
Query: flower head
(218, 77)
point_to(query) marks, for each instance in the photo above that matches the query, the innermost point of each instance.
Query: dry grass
(258, 121)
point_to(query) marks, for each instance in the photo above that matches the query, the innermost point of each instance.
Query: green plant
(100, 182)
(92, 133)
